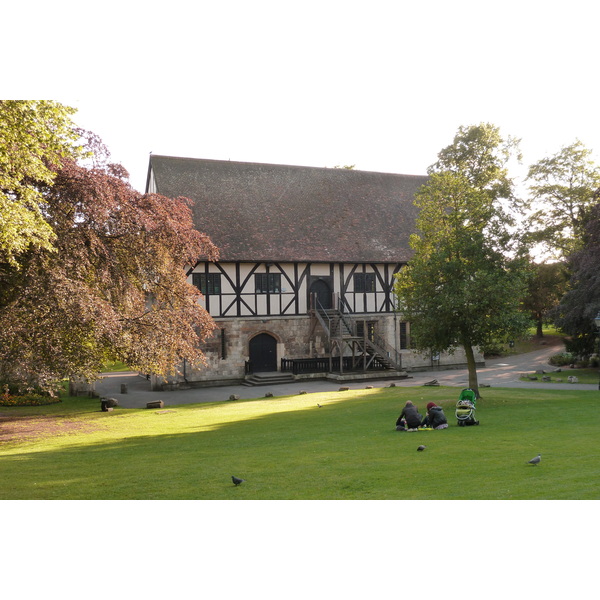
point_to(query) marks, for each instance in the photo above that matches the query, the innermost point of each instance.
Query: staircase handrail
(321, 312)
(349, 323)
(386, 350)
(377, 343)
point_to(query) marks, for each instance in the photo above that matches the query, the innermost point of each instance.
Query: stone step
(270, 378)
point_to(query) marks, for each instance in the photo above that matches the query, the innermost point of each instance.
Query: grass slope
(288, 448)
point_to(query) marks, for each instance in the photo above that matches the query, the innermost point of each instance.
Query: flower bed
(8, 399)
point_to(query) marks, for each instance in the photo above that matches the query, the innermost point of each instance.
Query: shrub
(30, 399)
(493, 348)
(562, 359)
(8, 388)
(581, 346)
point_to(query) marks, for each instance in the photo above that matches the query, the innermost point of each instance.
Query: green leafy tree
(546, 287)
(581, 303)
(563, 188)
(35, 135)
(481, 155)
(462, 286)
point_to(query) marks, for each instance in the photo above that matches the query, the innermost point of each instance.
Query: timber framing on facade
(304, 282)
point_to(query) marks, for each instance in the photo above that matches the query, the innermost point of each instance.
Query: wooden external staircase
(367, 350)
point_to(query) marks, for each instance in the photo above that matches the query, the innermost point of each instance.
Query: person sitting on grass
(435, 417)
(409, 419)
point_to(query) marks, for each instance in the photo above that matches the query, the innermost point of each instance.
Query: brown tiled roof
(263, 212)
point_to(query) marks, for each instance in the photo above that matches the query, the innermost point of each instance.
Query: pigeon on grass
(535, 461)
(421, 448)
(236, 480)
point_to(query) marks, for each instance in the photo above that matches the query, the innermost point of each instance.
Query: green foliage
(578, 308)
(35, 137)
(563, 187)
(493, 348)
(562, 359)
(466, 278)
(481, 154)
(581, 346)
(568, 358)
(9, 397)
(27, 400)
(546, 286)
(113, 366)
(288, 448)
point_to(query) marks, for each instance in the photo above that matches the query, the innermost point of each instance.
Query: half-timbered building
(304, 282)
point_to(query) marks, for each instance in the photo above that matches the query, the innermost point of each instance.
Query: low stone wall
(79, 386)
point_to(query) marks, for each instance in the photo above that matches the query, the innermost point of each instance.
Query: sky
(382, 85)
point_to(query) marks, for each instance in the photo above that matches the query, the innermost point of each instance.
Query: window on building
(223, 345)
(267, 283)
(208, 283)
(364, 282)
(404, 336)
(371, 328)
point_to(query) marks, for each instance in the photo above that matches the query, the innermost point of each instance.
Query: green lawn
(288, 448)
(112, 366)
(531, 342)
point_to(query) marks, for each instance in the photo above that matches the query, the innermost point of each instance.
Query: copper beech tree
(113, 286)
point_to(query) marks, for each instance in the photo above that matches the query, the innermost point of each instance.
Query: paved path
(503, 372)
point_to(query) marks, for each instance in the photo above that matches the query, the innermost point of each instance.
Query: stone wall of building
(227, 351)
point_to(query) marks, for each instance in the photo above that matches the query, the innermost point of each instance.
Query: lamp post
(597, 323)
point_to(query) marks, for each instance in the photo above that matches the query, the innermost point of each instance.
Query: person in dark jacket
(409, 418)
(435, 418)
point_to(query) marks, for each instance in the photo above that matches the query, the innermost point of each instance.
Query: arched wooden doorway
(263, 353)
(322, 293)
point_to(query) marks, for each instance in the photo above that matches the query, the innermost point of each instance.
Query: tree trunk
(539, 329)
(472, 367)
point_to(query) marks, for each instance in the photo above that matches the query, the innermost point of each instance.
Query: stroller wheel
(476, 422)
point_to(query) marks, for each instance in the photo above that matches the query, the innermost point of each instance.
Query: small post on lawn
(597, 323)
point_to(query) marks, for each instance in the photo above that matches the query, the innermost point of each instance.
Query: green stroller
(465, 408)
